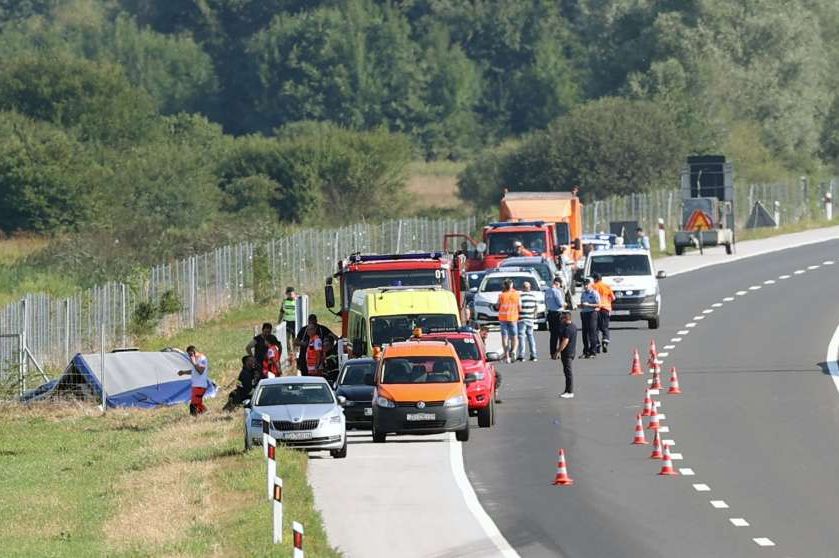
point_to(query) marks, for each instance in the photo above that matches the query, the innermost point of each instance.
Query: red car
(481, 377)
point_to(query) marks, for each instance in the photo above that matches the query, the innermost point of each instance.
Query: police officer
(554, 304)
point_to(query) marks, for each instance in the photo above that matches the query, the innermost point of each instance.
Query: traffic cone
(674, 382)
(653, 351)
(667, 466)
(656, 454)
(654, 424)
(635, 370)
(656, 377)
(640, 439)
(562, 477)
(648, 404)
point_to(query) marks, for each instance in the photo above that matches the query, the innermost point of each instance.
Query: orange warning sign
(699, 221)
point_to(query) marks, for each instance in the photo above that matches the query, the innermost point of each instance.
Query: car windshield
(394, 278)
(621, 265)
(358, 374)
(504, 242)
(387, 329)
(495, 284)
(546, 273)
(466, 348)
(420, 370)
(294, 394)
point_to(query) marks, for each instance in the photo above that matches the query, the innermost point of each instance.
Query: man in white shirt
(199, 378)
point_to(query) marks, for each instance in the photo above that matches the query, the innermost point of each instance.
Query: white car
(304, 412)
(631, 275)
(486, 298)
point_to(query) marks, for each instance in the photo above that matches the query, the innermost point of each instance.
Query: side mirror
(342, 400)
(494, 356)
(470, 379)
(481, 247)
(661, 274)
(329, 294)
(246, 403)
(473, 289)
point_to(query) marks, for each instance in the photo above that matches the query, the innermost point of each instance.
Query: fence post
(662, 241)
(24, 344)
(124, 315)
(67, 330)
(192, 292)
(399, 238)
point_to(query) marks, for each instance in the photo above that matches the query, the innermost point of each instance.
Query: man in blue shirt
(589, 303)
(554, 304)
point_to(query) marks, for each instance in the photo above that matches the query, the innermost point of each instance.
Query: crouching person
(248, 378)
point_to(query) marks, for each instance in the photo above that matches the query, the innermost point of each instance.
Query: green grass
(149, 482)
(436, 168)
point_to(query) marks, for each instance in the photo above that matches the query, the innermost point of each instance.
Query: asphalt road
(757, 424)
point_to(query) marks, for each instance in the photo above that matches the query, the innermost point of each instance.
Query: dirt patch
(434, 191)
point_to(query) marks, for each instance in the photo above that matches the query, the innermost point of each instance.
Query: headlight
(455, 401)
(385, 402)
(334, 419)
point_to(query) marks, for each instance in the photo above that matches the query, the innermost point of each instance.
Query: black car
(355, 383)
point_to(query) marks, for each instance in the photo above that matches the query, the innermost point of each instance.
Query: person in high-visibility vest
(271, 367)
(607, 296)
(288, 312)
(314, 353)
(509, 306)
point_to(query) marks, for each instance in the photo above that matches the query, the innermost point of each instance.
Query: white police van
(630, 272)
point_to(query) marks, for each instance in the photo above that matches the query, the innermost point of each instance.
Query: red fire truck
(365, 271)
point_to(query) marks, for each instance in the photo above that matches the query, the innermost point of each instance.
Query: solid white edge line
(478, 512)
(832, 356)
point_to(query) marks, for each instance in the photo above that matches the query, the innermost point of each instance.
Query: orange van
(420, 389)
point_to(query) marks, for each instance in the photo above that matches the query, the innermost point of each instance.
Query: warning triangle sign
(699, 221)
(759, 217)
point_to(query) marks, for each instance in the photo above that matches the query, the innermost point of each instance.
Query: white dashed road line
(686, 472)
(690, 324)
(741, 293)
(682, 332)
(811, 267)
(701, 487)
(798, 272)
(699, 318)
(827, 262)
(763, 541)
(754, 288)
(738, 522)
(676, 456)
(668, 347)
(708, 311)
(728, 299)
(664, 429)
(719, 504)
(662, 355)
(718, 304)
(675, 339)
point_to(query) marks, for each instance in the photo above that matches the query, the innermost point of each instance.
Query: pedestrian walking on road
(527, 317)
(259, 344)
(567, 350)
(288, 312)
(607, 296)
(554, 304)
(199, 380)
(509, 306)
(589, 303)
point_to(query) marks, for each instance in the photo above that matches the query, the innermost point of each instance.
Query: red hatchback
(481, 378)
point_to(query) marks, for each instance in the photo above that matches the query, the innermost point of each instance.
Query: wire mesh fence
(188, 291)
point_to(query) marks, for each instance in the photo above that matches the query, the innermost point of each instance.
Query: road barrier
(297, 529)
(272, 465)
(278, 510)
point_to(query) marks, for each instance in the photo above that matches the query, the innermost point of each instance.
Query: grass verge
(149, 482)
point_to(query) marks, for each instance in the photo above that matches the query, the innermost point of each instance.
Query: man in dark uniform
(567, 346)
(247, 380)
(258, 346)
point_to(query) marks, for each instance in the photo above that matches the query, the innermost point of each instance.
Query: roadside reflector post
(777, 215)
(828, 206)
(278, 510)
(298, 539)
(272, 465)
(662, 241)
(266, 428)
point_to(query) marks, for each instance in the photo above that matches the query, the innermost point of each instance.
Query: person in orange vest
(314, 352)
(271, 364)
(199, 380)
(520, 249)
(607, 296)
(509, 306)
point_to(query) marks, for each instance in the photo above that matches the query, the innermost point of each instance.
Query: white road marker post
(266, 429)
(272, 465)
(662, 241)
(298, 539)
(278, 510)
(828, 206)
(777, 214)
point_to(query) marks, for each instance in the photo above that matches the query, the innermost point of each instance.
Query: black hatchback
(355, 383)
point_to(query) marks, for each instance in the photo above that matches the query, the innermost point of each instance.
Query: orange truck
(548, 224)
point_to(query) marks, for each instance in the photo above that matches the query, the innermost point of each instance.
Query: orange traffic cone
(562, 477)
(648, 404)
(656, 454)
(635, 370)
(667, 466)
(654, 423)
(674, 382)
(653, 351)
(656, 376)
(640, 439)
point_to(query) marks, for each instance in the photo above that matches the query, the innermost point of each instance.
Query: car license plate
(368, 412)
(420, 416)
(297, 435)
(620, 312)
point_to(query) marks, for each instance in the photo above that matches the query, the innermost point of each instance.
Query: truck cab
(537, 237)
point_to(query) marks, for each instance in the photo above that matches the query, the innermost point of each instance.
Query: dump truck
(707, 188)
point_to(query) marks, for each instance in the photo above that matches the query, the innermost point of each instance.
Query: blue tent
(131, 378)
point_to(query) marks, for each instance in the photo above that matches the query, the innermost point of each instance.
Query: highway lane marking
(830, 358)
(769, 282)
(701, 487)
(763, 541)
(728, 299)
(686, 472)
(698, 318)
(664, 429)
(662, 355)
(478, 512)
(827, 262)
(738, 522)
(654, 392)
(798, 272)
(708, 310)
(690, 324)
(668, 347)
(682, 332)
(676, 456)
(783, 276)
(719, 504)
(813, 267)
(661, 416)
(668, 442)
(675, 339)
(741, 293)
(718, 304)
(754, 288)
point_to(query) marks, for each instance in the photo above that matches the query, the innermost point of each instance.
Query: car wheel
(462, 435)
(680, 250)
(378, 437)
(728, 249)
(485, 415)
(654, 323)
(340, 453)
